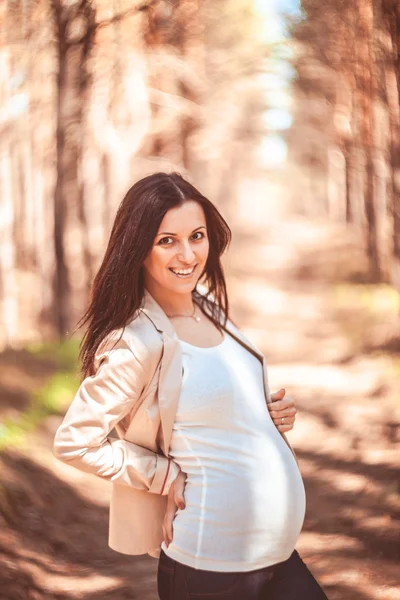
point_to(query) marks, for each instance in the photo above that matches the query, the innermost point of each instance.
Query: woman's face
(180, 244)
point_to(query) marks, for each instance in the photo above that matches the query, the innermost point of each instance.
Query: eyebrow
(169, 233)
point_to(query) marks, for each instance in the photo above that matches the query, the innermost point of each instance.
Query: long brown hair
(118, 287)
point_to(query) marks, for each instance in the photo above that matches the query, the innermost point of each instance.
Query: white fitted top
(244, 495)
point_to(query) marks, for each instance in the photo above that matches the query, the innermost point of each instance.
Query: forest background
(287, 117)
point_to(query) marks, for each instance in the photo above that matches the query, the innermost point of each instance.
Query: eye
(200, 233)
(162, 242)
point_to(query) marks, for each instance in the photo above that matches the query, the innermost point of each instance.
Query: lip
(192, 267)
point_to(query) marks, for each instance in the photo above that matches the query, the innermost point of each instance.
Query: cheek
(156, 261)
(204, 250)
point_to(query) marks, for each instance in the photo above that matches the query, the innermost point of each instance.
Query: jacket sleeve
(101, 401)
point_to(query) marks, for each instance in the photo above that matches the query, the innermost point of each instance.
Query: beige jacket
(135, 390)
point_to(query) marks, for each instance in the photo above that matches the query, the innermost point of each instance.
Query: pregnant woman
(203, 476)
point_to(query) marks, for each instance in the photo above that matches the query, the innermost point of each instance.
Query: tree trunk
(107, 203)
(72, 91)
(61, 284)
(391, 10)
(370, 211)
(8, 283)
(192, 48)
(367, 87)
(348, 169)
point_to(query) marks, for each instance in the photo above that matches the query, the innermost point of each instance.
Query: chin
(186, 287)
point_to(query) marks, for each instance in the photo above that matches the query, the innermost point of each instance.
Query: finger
(180, 502)
(171, 510)
(278, 405)
(287, 423)
(287, 412)
(284, 428)
(168, 528)
(165, 536)
(278, 395)
(288, 407)
(179, 491)
(179, 498)
(281, 404)
(287, 419)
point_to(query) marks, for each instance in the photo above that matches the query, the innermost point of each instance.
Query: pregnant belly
(245, 511)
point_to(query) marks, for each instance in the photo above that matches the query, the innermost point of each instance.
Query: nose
(186, 253)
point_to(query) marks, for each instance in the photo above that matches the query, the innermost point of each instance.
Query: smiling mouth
(183, 273)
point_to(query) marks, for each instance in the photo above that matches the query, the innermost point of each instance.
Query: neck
(172, 303)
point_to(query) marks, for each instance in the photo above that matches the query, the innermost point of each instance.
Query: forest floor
(334, 354)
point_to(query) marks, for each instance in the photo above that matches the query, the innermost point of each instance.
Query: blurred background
(286, 115)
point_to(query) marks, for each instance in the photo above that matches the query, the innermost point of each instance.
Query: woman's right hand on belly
(175, 500)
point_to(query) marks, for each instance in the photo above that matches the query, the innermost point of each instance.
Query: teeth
(183, 271)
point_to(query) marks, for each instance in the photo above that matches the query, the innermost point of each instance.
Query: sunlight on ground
(358, 380)
(74, 586)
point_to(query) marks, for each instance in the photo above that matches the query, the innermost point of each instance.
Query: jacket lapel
(238, 335)
(170, 379)
(243, 340)
(169, 388)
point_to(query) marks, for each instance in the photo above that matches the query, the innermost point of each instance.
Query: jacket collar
(160, 320)
(156, 314)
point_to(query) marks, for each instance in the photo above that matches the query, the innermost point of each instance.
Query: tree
(345, 50)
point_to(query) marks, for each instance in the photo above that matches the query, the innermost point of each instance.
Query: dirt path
(53, 545)
(346, 405)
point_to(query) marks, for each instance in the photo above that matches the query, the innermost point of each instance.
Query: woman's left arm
(282, 410)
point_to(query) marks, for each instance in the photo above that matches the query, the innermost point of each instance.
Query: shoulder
(140, 337)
